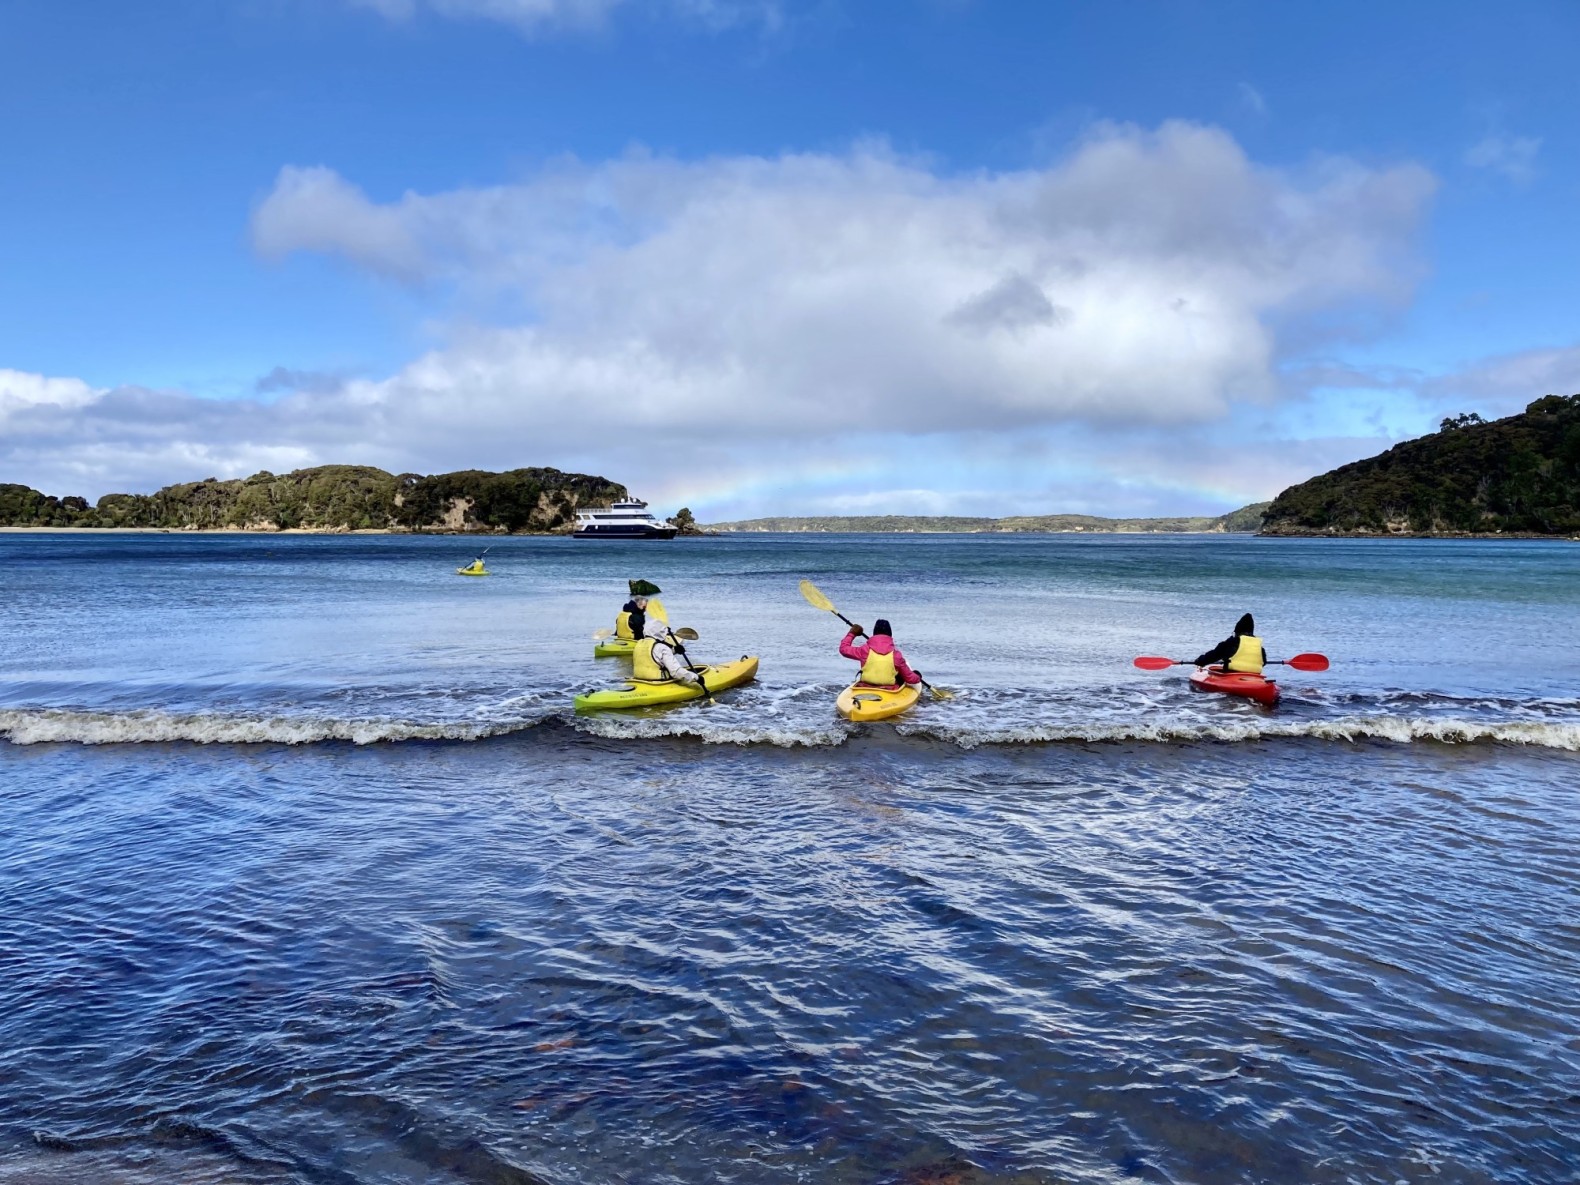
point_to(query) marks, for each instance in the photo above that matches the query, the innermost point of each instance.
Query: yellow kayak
(472, 570)
(622, 647)
(641, 694)
(861, 702)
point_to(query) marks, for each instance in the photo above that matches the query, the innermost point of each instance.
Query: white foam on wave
(1399, 729)
(43, 726)
(35, 726)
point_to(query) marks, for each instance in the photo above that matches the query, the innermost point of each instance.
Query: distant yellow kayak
(472, 569)
(861, 703)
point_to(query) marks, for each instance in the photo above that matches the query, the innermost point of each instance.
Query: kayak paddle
(1301, 662)
(685, 632)
(814, 597)
(690, 635)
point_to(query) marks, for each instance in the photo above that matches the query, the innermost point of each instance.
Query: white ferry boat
(623, 520)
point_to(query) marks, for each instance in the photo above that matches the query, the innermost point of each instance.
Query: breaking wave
(24, 726)
(35, 726)
(1402, 730)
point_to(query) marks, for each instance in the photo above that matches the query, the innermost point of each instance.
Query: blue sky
(764, 256)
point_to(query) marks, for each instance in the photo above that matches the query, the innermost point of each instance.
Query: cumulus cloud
(694, 325)
(1505, 383)
(1137, 280)
(532, 16)
(1512, 156)
(22, 393)
(317, 210)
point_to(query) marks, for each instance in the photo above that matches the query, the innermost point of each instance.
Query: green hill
(1518, 475)
(1246, 519)
(332, 498)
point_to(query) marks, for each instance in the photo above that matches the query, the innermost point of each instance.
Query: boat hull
(624, 533)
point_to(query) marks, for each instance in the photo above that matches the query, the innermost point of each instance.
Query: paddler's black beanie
(881, 626)
(1245, 625)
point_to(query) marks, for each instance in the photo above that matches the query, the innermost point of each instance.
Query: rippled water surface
(307, 874)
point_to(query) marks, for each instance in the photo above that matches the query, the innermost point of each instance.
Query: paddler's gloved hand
(703, 683)
(856, 631)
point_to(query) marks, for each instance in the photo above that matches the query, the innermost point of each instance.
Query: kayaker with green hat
(630, 622)
(1241, 652)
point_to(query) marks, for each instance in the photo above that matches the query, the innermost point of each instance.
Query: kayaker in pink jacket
(882, 664)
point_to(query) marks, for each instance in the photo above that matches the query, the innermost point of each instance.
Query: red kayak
(1263, 691)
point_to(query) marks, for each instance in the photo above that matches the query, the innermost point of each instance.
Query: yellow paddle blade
(940, 692)
(600, 635)
(815, 597)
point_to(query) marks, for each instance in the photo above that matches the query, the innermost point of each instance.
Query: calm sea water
(308, 874)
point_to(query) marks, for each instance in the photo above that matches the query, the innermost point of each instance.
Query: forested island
(1246, 519)
(332, 498)
(1516, 476)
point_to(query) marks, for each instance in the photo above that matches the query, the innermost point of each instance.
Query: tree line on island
(333, 498)
(1519, 475)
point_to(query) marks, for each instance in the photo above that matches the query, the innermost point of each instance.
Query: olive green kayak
(641, 694)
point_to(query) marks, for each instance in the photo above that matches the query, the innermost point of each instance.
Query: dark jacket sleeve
(1222, 652)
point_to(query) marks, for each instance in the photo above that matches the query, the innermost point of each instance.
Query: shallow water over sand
(581, 950)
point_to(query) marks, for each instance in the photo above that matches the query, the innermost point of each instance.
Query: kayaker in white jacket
(657, 657)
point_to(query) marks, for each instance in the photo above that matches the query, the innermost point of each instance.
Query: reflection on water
(560, 958)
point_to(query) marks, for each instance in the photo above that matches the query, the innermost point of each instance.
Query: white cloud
(1512, 156)
(532, 16)
(317, 210)
(699, 327)
(21, 393)
(1505, 383)
(1137, 280)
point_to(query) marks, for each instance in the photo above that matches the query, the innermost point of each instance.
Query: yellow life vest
(645, 667)
(1248, 657)
(622, 621)
(879, 669)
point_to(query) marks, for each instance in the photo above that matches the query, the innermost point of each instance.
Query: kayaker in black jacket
(631, 622)
(1241, 652)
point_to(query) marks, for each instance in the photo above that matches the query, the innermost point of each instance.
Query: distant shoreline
(281, 531)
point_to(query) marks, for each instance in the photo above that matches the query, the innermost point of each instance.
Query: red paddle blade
(1154, 664)
(1308, 662)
